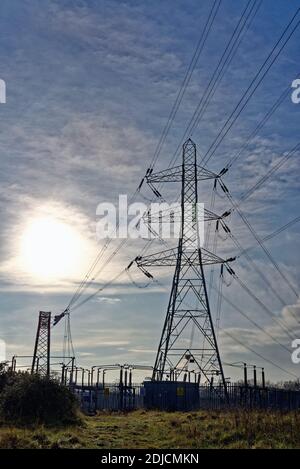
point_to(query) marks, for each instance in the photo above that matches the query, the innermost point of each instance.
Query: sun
(50, 249)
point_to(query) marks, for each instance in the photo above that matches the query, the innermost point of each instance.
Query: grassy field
(153, 430)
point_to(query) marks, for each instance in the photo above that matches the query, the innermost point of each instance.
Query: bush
(34, 399)
(5, 375)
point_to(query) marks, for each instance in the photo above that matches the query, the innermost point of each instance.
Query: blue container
(171, 395)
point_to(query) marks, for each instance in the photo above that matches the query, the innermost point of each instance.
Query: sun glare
(50, 249)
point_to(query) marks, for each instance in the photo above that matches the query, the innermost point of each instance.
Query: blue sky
(90, 85)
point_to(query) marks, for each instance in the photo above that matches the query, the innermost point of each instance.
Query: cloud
(266, 342)
(141, 351)
(106, 299)
(90, 86)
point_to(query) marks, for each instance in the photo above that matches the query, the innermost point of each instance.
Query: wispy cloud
(89, 88)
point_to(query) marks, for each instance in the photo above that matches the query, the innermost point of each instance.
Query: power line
(257, 80)
(259, 302)
(199, 48)
(258, 240)
(251, 15)
(263, 306)
(272, 235)
(84, 284)
(260, 355)
(216, 77)
(270, 173)
(187, 78)
(75, 297)
(256, 268)
(254, 323)
(260, 273)
(268, 254)
(105, 285)
(259, 126)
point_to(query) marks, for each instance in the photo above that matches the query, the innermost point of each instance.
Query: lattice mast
(188, 341)
(41, 354)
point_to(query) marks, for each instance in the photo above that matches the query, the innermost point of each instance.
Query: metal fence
(249, 397)
(110, 397)
(113, 397)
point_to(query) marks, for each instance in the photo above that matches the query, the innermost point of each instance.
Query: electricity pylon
(41, 354)
(188, 341)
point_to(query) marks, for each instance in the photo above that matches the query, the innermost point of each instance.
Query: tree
(29, 398)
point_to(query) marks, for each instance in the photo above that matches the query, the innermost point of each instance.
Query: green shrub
(5, 375)
(34, 399)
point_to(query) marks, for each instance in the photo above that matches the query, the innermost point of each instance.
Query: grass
(154, 430)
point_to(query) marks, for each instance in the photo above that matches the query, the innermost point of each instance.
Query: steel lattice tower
(188, 342)
(41, 355)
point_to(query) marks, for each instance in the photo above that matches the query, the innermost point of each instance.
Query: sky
(90, 85)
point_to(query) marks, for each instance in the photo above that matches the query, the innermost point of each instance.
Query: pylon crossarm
(175, 175)
(162, 258)
(204, 174)
(167, 175)
(172, 214)
(168, 258)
